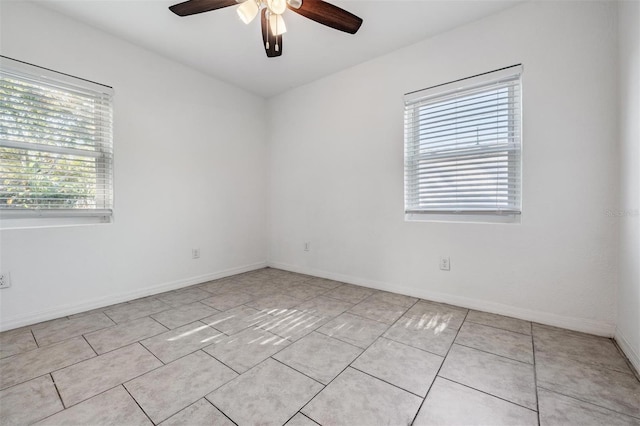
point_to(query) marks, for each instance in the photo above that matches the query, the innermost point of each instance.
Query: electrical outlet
(307, 246)
(444, 264)
(195, 253)
(5, 280)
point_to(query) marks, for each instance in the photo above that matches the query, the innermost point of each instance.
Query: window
(55, 144)
(463, 148)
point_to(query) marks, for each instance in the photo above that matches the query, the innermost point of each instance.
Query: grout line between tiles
(587, 402)
(535, 376)
(444, 359)
(592, 365)
(343, 300)
(34, 339)
(57, 391)
(223, 363)
(218, 408)
(294, 414)
(488, 393)
(167, 328)
(343, 340)
(493, 353)
(500, 328)
(92, 348)
(414, 347)
(169, 307)
(381, 322)
(346, 343)
(218, 330)
(71, 406)
(136, 401)
(151, 352)
(295, 369)
(184, 408)
(388, 382)
(108, 316)
(302, 414)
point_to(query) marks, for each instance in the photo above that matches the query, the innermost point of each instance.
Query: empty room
(309, 212)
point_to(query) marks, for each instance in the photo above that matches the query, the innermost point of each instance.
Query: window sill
(463, 218)
(51, 222)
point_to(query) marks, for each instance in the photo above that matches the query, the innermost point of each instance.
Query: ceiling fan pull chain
(266, 29)
(277, 47)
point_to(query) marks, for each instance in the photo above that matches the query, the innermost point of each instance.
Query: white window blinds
(462, 146)
(55, 144)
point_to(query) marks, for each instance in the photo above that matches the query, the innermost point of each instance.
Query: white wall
(336, 172)
(188, 173)
(628, 324)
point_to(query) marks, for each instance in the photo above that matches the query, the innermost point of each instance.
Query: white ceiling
(219, 44)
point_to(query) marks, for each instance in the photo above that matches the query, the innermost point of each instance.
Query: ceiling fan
(273, 25)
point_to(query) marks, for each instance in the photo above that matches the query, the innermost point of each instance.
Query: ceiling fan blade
(191, 7)
(329, 15)
(274, 43)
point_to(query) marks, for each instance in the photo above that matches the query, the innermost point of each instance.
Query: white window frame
(100, 150)
(418, 208)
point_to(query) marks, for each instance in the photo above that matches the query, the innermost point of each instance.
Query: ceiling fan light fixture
(271, 23)
(277, 6)
(276, 25)
(248, 10)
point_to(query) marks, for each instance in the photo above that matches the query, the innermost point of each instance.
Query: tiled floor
(271, 347)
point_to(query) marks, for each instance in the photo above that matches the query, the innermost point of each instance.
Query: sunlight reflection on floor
(436, 322)
(187, 333)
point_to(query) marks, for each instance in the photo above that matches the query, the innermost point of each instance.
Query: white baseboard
(577, 324)
(74, 308)
(629, 351)
(571, 323)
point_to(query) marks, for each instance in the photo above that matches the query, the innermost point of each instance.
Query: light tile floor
(271, 347)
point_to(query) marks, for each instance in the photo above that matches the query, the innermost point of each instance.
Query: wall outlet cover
(445, 265)
(5, 280)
